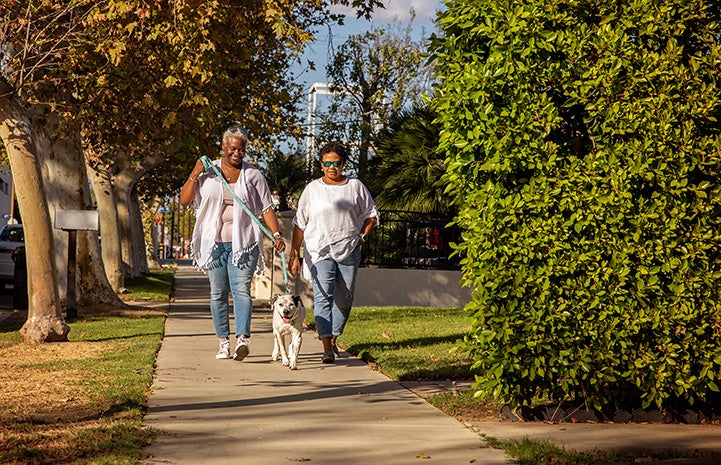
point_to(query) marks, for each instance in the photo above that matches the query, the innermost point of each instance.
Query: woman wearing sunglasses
(335, 215)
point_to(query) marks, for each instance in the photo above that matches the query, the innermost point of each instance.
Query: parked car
(20, 283)
(11, 237)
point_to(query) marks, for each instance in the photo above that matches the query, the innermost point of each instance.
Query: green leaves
(581, 154)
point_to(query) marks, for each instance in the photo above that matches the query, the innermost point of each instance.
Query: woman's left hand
(279, 244)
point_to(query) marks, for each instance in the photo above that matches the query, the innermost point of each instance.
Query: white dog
(288, 318)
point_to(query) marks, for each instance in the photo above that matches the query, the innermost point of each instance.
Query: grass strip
(409, 343)
(154, 287)
(82, 401)
(531, 452)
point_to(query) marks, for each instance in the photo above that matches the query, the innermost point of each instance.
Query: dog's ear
(296, 300)
(274, 298)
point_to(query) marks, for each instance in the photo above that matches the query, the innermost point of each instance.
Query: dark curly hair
(336, 147)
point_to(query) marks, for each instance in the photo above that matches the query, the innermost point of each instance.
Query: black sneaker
(328, 357)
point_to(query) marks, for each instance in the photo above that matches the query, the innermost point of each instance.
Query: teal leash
(209, 164)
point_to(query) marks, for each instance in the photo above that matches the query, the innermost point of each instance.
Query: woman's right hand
(198, 169)
(187, 192)
(293, 266)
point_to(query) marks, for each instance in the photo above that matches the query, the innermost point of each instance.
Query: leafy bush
(583, 151)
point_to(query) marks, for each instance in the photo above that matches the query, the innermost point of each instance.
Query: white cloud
(425, 10)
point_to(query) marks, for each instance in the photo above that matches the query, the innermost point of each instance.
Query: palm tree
(407, 166)
(286, 176)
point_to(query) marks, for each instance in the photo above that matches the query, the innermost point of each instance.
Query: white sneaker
(242, 349)
(223, 349)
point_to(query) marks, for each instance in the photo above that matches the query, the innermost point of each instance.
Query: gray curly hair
(234, 132)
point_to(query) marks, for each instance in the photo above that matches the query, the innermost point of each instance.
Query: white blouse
(246, 235)
(331, 217)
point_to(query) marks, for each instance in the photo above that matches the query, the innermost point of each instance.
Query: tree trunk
(56, 193)
(94, 289)
(45, 321)
(151, 235)
(110, 231)
(123, 183)
(137, 235)
(67, 188)
(129, 217)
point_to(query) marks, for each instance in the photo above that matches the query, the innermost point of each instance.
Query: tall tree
(373, 76)
(45, 321)
(45, 33)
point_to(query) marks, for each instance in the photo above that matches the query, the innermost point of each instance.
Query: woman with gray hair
(226, 243)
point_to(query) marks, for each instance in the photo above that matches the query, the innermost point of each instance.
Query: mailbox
(73, 221)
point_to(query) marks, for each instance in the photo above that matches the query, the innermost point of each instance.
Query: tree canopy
(372, 77)
(142, 85)
(407, 166)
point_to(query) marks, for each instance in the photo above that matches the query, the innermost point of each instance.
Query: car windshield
(11, 234)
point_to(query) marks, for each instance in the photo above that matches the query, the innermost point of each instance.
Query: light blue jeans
(229, 279)
(333, 285)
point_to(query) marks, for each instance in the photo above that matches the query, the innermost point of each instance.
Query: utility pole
(318, 88)
(322, 88)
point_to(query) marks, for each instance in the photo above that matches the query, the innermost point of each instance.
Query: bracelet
(192, 180)
(277, 234)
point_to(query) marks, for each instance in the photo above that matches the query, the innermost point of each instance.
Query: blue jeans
(333, 285)
(227, 278)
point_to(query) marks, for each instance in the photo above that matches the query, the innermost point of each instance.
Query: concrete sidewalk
(261, 413)
(257, 412)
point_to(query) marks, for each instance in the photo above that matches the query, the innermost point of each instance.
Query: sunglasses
(334, 163)
(236, 130)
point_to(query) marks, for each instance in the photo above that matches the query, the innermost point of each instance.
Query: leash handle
(210, 165)
(285, 273)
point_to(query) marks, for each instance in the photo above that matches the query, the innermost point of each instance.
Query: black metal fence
(406, 239)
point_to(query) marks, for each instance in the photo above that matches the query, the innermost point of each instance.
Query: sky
(395, 9)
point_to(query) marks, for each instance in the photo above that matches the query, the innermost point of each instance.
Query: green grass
(463, 405)
(99, 382)
(102, 375)
(529, 452)
(409, 343)
(125, 372)
(155, 287)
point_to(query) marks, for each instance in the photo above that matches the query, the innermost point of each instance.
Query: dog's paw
(286, 362)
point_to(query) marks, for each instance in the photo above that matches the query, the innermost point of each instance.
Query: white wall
(374, 286)
(417, 288)
(5, 194)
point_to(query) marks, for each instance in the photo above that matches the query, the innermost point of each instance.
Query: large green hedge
(584, 152)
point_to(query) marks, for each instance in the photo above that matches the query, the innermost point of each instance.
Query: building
(6, 196)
